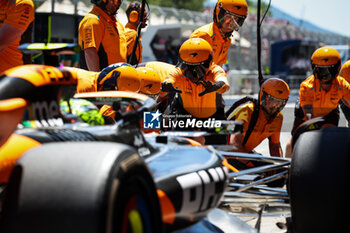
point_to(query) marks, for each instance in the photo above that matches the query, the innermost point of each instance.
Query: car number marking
(199, 189)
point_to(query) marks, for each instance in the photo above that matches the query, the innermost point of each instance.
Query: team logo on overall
(151, 120)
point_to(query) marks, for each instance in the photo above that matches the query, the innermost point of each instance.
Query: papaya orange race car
(62, 175)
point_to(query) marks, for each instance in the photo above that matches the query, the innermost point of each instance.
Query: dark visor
(325, 72)
(279, 102)
(238, 18)
(194, 72)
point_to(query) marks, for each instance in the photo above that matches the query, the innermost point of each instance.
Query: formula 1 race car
(74, 177)
(61, 175)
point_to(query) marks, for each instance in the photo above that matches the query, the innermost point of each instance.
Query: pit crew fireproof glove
(210, 87)
(168, 87)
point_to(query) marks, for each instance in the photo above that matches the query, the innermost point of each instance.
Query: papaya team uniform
(106, 34)
(19, 14)
(130, 34)
(345, 73)
(263, 128)
(162, 68)
(211, 33)
(87, 80)
(323, 102)
(200, 106)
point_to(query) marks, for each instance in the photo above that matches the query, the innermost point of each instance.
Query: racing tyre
(319, 181)
(81, 187)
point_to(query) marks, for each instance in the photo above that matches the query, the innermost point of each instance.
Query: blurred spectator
(172, 47)
(158, 48)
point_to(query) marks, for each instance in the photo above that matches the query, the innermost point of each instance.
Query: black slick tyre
(319, 180)
(81, 187)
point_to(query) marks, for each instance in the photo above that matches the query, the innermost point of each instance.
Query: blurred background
(291, 31)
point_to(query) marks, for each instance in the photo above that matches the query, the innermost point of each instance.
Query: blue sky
(333, 15)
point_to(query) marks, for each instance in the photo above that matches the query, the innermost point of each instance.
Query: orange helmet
(119, 76)
(195, 57)
(150, 81)
(325, 63)
(345, 71)
(236, 8)
(273, 95)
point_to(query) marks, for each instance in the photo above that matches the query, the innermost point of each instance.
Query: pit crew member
(15, 17)
(229, 16)
(149, 84)
(262, 119)
(101, 36)
(321, 92)
(119, 76)
(133, 13)
(345, 73)
(199, 82)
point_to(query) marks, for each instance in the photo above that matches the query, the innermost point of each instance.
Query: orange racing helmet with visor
(325, 63)
(195, 58)
(273, 96)
(230, 10)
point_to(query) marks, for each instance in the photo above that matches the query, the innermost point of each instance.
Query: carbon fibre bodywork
(190, 181)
